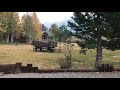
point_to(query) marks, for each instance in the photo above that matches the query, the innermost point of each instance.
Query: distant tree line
(28, 28)
(12, 29)
(60, 34)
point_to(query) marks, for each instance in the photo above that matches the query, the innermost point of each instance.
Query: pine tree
(44, 28)
(64, 33)
(97, 28)
(55, 31)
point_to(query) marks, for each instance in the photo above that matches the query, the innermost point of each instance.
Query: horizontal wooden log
(11, 68)
(63, 70)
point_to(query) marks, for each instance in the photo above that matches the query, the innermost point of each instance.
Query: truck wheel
(35, 48)
(49, 49)
(40, 49)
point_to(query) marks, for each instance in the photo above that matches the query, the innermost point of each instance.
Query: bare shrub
(66, 63)
(60, 47)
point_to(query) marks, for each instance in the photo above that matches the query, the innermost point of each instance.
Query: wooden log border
(18, 68)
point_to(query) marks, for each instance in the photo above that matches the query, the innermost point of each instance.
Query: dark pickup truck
(49, 45)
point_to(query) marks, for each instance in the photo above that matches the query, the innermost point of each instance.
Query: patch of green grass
(5, 43)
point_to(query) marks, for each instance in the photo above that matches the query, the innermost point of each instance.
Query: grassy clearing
(10, 54)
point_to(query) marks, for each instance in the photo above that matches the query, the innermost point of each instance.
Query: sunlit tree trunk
(7, 38)
(12, 37)
(1, 37)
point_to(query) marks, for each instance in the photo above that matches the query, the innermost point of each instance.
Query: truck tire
(40, 49)
(49, 49)
(35, 48)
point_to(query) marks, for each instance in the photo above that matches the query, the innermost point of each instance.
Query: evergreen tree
(97, 28)
(44, 28)
(64, 33)
(55, 31)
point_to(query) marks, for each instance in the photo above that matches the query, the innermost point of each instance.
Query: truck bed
(44, 44)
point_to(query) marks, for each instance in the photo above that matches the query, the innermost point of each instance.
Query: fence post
(18, 67)
(29, 67)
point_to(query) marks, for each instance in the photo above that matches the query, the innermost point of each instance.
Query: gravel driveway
(64, 75)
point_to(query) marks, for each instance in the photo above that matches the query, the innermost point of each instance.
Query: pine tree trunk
(1, 37)
(12, 37)
(27, 40)
(7, 38)
(99, 51)
(60, 48)
(30, 40)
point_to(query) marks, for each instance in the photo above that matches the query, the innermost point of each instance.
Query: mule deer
(16, 44)
(83, 51)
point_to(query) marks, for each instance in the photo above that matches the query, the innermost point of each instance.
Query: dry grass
(24, 53)
(10, 54)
